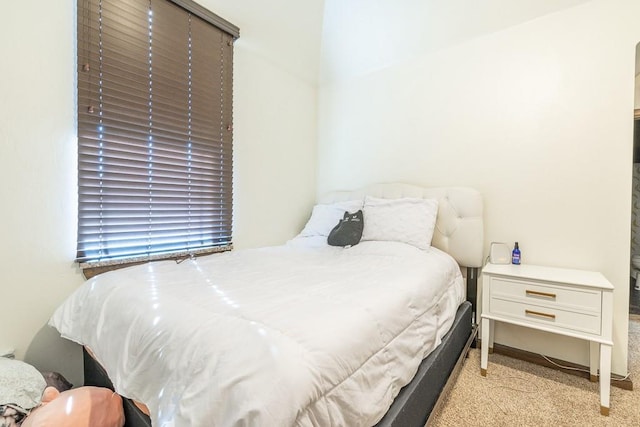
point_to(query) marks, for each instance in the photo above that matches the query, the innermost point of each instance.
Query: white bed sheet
(300, 334)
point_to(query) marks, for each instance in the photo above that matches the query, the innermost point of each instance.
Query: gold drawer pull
(540, 294)
(537, 313)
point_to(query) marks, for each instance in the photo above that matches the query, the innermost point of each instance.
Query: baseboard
(527, 356)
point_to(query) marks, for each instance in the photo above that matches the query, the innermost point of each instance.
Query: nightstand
(572, 303)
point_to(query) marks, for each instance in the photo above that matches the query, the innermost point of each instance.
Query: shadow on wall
(49, 352)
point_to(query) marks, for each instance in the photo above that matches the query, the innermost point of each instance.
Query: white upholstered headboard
(459, 227)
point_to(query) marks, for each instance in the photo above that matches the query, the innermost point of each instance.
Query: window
(154, 130)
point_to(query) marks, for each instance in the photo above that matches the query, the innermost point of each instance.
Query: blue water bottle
(515, 255)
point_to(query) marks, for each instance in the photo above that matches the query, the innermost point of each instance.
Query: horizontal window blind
(154, 130)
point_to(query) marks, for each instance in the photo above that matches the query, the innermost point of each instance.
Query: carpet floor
(518, 393)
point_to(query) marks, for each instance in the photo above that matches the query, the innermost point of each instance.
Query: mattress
(288, 335)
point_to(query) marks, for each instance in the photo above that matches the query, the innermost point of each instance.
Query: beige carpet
(517, 393)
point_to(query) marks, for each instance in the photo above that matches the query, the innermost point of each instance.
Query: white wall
(275, 148)
(275, 99)
(537, 116)
(37, 170)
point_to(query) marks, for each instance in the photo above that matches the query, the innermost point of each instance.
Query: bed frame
(459, 232)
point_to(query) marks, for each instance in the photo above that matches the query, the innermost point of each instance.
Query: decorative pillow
(408, 220)
(348, 231)
(325, 216)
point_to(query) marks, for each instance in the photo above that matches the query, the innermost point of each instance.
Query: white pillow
(326, 216)
(408, 220)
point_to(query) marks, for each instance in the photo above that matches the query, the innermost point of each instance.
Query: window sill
(91, 269)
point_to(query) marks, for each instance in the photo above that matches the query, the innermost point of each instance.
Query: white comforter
(277, 336)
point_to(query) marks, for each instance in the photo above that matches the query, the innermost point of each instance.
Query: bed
(300, 334)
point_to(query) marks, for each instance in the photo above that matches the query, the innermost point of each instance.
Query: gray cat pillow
(348, 231)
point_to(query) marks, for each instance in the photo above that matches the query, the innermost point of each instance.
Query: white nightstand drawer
(562, 297)
(547, 316)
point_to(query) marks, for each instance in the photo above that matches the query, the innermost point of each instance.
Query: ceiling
(359, 36)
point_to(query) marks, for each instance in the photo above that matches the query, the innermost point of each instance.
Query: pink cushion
(79, 407)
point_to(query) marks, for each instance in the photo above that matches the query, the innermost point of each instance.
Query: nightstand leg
(491, 335)
(594, 360)
(605, 378)
(484, 351)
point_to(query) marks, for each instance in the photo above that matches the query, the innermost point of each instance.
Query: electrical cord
(570, 368)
